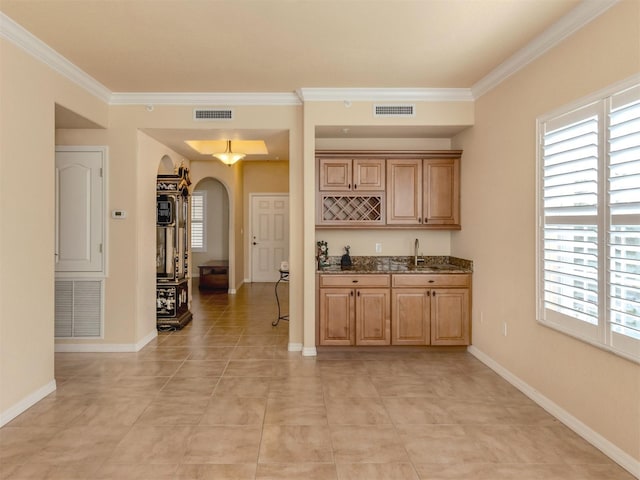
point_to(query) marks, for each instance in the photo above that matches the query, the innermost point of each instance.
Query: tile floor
(223, 399)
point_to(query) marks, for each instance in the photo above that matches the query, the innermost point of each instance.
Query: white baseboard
(618, 455)
(247, 280)
(27, 402)
(309, 352)
(106, 347)
(294, 347)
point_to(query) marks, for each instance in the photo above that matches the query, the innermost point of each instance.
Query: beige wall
(498, 189)
(261, 177)
(29, 91)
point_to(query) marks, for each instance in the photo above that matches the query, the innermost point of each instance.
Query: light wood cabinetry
(431, 309)
(423, 192)
(342, 174)
(354, 310)
(388, 189)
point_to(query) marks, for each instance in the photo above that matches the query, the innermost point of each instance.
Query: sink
(432, 268)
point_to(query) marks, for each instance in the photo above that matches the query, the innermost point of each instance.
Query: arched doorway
(210, 227)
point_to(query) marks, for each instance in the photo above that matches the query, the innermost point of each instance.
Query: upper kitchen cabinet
(424, 192)
(388, 189)
(339, 174)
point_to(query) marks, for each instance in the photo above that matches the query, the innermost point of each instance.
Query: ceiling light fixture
(229, 157)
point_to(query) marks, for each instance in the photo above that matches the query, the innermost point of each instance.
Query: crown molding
(35, 47)
(573, 21)
(385, 94)
(179, 98)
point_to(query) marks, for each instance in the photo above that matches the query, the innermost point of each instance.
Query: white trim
(232, 291)
(35, 47)
(204, 98)
(577, 18)
(385, 94)
(107, 347)
(594, 438)
(146, 339)
(309, 352)
(294, 347)
(27, 402)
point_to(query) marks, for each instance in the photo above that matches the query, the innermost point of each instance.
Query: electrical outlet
(504, 328)
(378, 248)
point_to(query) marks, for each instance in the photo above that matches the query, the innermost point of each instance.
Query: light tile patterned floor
(223, 399)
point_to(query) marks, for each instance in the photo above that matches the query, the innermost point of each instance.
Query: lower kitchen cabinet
(411, 309)
(431, 309)
(354, 310)
(450, 316)
(411, 316)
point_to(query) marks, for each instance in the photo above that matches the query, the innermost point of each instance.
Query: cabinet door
(450, 316)
(404, 192)
(335, 174)
(441, 191)
(373, 316)
(79, 203)
(410, 316)
(337, 316)
(368, 175)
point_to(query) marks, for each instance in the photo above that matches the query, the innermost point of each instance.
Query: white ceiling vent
(205, 114)
(394, 110)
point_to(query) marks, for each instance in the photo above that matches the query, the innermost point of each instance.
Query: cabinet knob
(426, 220)
(433, 293)
(351, 293)
(349, 186)
(354, 281)
(355, 186)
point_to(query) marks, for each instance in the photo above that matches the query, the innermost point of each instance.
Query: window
(588, 252)
(198, 221)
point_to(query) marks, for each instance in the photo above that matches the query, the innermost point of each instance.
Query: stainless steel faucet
(416, 246)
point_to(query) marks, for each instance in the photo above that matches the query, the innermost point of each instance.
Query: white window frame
(203, 194)
(601, 334)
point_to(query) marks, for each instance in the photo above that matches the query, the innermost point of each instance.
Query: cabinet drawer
(340, 280)
(431, 280)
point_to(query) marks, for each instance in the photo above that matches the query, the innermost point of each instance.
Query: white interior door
(269, 235)
(79, 209)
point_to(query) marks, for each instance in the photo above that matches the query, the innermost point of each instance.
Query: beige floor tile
(403, 387)
(253, 353)
(231, 410)
(197, 386)
(376, 471)
(348, 386)
(249, 368)
(53, 411)
(201, 368)
(174, 410)
(20, 444)
(113, 411)
(356, 411)
(168, 353)
(257, 340)
(416, 410)
(342, 367)
(295, 411)
(222, 445)
(299, 471)
(80, 445)
(296, 387)
(111, 471)
(211, 353)
(295, 444)
(243, 386)
(48, 472)
(149, 445)
(216, 472)
(496, 471)
(443, 444)
(367, 444)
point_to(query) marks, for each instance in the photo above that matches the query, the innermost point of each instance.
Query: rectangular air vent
(78, 308)
(394, 110)
(201, 114)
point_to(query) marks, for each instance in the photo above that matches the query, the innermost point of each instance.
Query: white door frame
(250, 238)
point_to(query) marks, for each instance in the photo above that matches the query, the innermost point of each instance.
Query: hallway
(224, 399)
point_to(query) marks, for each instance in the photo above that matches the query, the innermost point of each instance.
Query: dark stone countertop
(387, 265)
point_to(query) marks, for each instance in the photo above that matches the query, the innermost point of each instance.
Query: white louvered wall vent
(78, 308)
(208, 114)
(394, 110)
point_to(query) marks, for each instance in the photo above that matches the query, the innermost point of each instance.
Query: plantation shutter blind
(571, 269)
(198, 221)
(624, 219)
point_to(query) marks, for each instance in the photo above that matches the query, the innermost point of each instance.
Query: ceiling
(277, 46)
